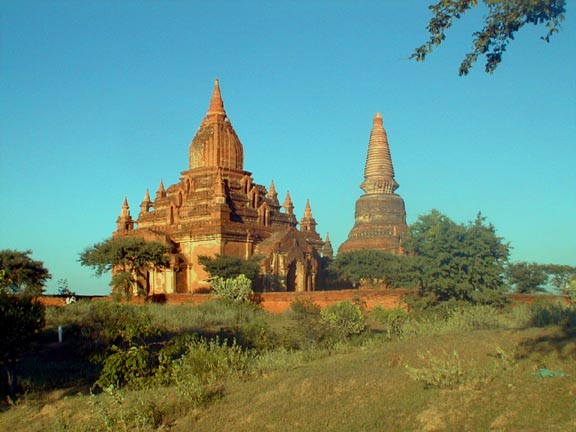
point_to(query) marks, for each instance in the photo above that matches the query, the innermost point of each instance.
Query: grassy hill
(476, 369)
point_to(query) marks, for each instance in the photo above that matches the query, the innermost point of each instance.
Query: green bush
(479, 317)
(392, 320)
(125, 367)
(21, 319)
(236, 290)
(309, 329)
(543, 315)
(345, 318)
(116, 323)
(444, 371)
(210, 361)
(257, 334)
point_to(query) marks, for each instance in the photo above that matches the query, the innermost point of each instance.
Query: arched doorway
(291, 277)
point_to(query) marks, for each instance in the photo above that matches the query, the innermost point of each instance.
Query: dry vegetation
(469, 369)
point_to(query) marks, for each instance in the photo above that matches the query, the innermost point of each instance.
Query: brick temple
(380, 216)
(216, 208)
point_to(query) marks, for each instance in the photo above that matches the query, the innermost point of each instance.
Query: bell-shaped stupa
(380, 217)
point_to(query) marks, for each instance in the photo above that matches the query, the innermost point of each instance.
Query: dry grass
(362, 386)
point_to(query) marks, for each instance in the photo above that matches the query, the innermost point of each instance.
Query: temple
(217, 209)
(380, 216)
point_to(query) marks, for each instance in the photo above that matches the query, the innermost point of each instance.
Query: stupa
(380, 216)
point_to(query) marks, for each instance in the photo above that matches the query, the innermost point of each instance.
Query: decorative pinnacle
(288, 206)
(378, 172)
(147, 196)
(307, 210)
(216, 108)
(125, 213)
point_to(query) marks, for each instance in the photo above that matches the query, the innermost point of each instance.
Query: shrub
(345, 318)
(21, 319)
(257, 334)
(211, 360)
(392, 320)
(237, 289)
(125, 367)
(110, 323)
(478, 317)
(543, 315)
(445, 371)
(309, 330)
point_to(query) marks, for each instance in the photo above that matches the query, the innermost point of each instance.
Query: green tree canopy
(462, 262)
(129, 257)
(393, 270)
(503, 19)
(22, 274)
(560, 276)
(230, 267)
(526, 278)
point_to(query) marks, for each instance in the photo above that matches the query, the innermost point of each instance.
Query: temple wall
(280, 301)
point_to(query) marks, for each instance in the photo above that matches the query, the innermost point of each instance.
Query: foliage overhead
(503, 19)
(229, 267)
(22, 274)
(393, 270)
(130, 257)
(458, 262)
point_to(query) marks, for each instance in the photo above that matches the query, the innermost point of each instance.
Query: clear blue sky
(100, 100)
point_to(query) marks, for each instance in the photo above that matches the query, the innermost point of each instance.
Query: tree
(130, 258)
(374, 265)
(526, 278)
(560, 276)
(456, 261)
(21, 319)
(229, 267)
(22, 274)
(504, 18)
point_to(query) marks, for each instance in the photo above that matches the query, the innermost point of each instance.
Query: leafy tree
(560, 276)
(458, 262)
(21, 319)
(129, 258)
(64, 288)
(526, 278)
(229, 267)
(22, 274)
(373, 265)
(504, 18)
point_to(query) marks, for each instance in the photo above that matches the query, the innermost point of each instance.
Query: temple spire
(288, 206)
(145, 205)
(161, 192)
(378, 172)
(308, 223)
(216, 108)
(125, 208)
(327, 250)
(308, 210)
(124, 222)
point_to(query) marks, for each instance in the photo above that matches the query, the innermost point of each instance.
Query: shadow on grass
(562, 344)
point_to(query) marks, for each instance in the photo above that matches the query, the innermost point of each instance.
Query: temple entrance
(181, 280)
(291, 277)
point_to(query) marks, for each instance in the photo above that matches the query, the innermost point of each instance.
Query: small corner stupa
(380, 216)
